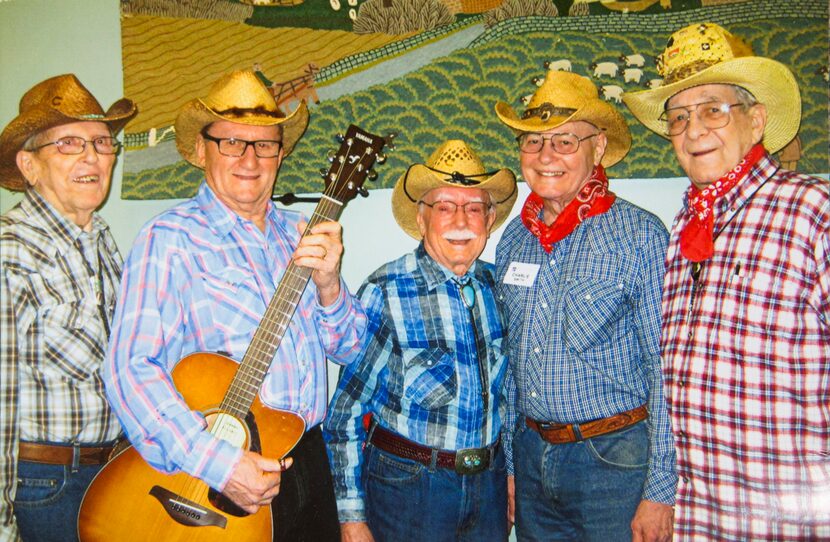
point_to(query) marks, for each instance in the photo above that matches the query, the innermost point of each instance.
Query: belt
(561, 433)
(53, 454)
(467, 461)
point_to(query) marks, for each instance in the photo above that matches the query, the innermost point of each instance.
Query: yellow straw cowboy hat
(453, 164)
(56, 101)
(567, 97)
(238, 97)
(703, 54)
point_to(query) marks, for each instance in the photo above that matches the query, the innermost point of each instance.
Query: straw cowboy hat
(238, 97)
(56, 101)
(455, 165)
(568, 97)
(703, 54)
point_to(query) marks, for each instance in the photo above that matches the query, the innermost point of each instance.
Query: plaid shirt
(52, 337)
(418, 371)
(584, 332)
(198, 279)
(747, 364)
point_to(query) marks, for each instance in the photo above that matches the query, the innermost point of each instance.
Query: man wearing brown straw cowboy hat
(60, 272)
(746, 315)
(199, 278)
(429, 466)
(589, 442)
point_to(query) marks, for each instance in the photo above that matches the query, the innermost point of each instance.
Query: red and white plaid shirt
(747, 364)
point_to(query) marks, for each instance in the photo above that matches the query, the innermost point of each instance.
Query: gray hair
(744, 96)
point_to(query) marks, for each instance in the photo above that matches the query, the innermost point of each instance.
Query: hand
(255, 481)
(511, 503)
(652, 522)
(320, 251)
(355, 531)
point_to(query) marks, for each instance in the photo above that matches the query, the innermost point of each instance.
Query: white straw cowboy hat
(567, 97)
(705, 53)
(238, 97)
(455, 165)
(56, 101)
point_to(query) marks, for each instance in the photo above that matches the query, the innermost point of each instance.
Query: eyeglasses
(712, 115)
(231, 146)
(566, 143)
(77, 145)
(447, 209)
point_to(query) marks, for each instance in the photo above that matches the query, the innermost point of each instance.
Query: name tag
(521, 274)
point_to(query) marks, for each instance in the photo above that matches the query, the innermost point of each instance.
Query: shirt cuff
(351, 510)
(660, 487)
(336, 313)
(213, 461)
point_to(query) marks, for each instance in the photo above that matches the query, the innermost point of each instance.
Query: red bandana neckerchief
(696, 239)
(593, 199)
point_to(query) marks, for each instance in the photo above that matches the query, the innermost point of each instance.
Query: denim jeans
(409, 501)
(587, 491)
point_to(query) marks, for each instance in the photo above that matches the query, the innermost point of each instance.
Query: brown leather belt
(562, 433)
(468, 461)
(63, 455)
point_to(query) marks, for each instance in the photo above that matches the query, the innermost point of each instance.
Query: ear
(758, 118)
(26, 164)
(200, 150)
(491, 219)
(599, 147)
(419, 218)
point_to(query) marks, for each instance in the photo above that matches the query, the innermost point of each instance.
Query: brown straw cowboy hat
(453, 164)
(703, 54)
(567, 97)
(56, 101)
(238, 97)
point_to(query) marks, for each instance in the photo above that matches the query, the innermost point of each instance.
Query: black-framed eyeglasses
(447, 209)
(77, 145)
(564, 143)
(231, 146)
(712, 114)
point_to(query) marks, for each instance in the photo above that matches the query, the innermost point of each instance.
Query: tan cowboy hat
(453, 164)
(238, 97)
(56, 101)
(703, 54)
(568, 97)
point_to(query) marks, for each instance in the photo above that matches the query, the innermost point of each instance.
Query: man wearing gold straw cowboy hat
(746, 315)
(60, 272)
(589, 441)
(429, 466)
(199, 278)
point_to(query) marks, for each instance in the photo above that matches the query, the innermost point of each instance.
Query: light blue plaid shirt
(584, 333)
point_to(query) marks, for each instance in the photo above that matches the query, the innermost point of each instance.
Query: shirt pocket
(71, 338)
(592, 308)
(430, 379)
(232, 299)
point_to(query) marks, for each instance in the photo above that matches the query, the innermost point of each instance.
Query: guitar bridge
(187, 512)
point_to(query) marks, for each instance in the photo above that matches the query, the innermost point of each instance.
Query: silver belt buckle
(472, 460)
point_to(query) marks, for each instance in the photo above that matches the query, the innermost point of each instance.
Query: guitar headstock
(352, 164)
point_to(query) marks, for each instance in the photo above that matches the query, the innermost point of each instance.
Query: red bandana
(593, 199)
(696, 239)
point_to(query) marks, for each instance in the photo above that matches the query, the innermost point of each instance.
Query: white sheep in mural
(605, 68)
(632, 74)
(612, 92)
(562, 65)
(653, 83)
(633, 60)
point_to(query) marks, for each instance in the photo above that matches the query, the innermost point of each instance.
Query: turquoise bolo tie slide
(468, 294)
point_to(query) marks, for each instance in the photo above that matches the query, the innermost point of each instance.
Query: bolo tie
(468, 296)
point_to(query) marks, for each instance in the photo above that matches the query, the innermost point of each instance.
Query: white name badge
(521, 274)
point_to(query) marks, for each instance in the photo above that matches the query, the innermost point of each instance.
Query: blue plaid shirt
(418, 370)
(584, 334)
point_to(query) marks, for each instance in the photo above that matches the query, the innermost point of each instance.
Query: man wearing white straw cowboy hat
(580, 271)
(429, 466)
(60, 272)
(746, 314)
(199, 278)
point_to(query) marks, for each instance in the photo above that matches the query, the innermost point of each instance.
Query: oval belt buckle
(472, 460)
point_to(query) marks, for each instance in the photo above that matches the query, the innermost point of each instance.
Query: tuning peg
(333, 177)
(363, 191)
(372, 175)
(339, 138)
(331, 154)
(381, 158)
(323, 172)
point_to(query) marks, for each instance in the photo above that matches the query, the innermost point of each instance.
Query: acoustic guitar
(129, 500)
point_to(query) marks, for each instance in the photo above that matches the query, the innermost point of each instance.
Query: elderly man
(429, 466)
(60, 272)
(746, 315)
(199, 278)
(581, 271)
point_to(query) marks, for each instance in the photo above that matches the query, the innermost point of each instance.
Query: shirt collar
(221, 219)
(436, 274)
(738, 196)
(61, 230)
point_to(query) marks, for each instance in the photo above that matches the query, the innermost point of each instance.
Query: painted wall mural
(429, 70)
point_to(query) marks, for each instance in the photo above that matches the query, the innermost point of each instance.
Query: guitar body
(124, 501)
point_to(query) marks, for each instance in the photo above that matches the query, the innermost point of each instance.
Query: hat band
(547, 110)
(242, 112)
(688, 70)
(456, 177)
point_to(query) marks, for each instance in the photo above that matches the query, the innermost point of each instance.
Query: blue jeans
(406, 500)
(48, 499)
(587, 491)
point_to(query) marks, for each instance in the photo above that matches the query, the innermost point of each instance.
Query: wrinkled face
(75, 184)
(708, 154)
(456, 239)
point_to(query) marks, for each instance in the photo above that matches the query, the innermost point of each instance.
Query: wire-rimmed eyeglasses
(446, 209)
(564, 143)
(712, 114)
(77, 145)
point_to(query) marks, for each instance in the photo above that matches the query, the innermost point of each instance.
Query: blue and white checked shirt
(418, 371)
(584, 336)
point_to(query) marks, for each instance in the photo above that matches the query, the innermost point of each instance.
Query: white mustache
(459, 235)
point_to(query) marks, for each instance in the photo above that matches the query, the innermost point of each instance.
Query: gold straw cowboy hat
(567, 97)
(56, 101)
(238, 97)
(453, 164)
(705, 53)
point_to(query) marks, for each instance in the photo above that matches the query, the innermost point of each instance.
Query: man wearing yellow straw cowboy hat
(429, 466)
(589, 441)
(199, 278)
(746, 315)
(60, 271)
